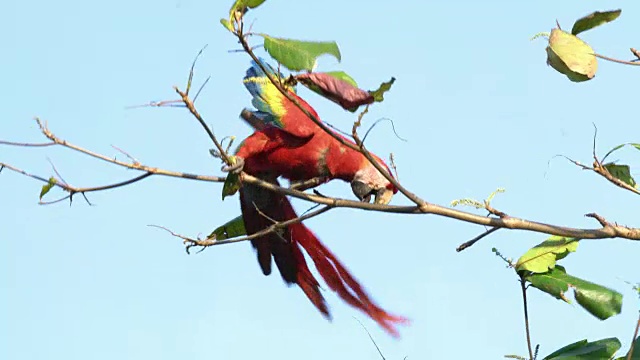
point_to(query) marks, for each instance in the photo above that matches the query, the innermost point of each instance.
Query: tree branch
(72, 190)
(633, 341)
(471, 242)
(136, 166)
(212, 241)
(608, 231)
(599, 168)
(189, 104)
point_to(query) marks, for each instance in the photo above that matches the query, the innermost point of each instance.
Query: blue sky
(473, 97)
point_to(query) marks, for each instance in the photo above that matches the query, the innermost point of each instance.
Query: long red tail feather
(337, 276)
(286, 249)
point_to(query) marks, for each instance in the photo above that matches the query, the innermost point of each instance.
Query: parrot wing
(274, 109)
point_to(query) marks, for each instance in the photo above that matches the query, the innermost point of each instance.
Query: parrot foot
(235, 168)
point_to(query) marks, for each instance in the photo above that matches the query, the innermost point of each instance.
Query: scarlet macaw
(292, 145)
(286, 143)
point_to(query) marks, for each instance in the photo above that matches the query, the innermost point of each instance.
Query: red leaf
(336, 90)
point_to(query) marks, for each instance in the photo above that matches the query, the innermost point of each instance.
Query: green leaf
(598, 300)
(47, 187)
(232, 182)
(378, 94)
(232, 228)
(227, 24)
(621, 172)
(616, 148)
(543, 257)
(551, 283)
(583, 350)
(231, 185)
(567, 348)
(242, 6)
(343, 76)
(299, 55)
(593, 20)
(571, 56)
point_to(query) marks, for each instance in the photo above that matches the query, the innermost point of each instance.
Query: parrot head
(368, 182)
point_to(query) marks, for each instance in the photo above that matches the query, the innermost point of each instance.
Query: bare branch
(509, 222)
(163, 103)
(201, 88)
(57, 173)
(204, 243)
(11, 143)
(476, 239)
(632, 62)
(599, 168)
(72, 190)
(187, 101)
(145, 168)
(20, 171)
(133, 160)
(610, 231)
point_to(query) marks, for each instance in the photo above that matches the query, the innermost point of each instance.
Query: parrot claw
(235, 168)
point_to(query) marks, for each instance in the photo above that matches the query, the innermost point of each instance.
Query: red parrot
(286, 143)
(290, 144)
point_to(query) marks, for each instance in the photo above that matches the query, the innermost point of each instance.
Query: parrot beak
(383, 196)
(364, 193)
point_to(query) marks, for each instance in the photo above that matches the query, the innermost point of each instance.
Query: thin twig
(45, 130)
(11, 143)
(526, 315)
(214, 242)
(189, 103)
(601, 169)
(201, 87)
(57, 173)
(72, 190)
(133, 160)
(163, 103)
(617, 60)
(633, 341)
(476, 239)
(371, 338)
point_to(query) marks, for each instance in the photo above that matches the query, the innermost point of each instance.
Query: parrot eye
(362, 191)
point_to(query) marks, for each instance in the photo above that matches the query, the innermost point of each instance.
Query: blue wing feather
(266, 97)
